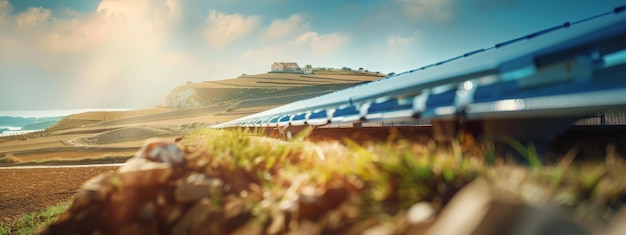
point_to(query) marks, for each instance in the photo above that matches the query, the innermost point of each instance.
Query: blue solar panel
(389, 105)
(525, 57)
(299, 117)
(284, 119)
(350, 110)
(442, 99)
(318, 114)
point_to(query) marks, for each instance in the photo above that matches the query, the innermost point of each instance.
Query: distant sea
(10, 128)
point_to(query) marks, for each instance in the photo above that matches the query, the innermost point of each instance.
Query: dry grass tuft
(10, 159)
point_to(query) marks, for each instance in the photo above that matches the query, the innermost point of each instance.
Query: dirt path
(30, 190)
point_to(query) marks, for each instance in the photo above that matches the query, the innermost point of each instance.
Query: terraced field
(264, 89)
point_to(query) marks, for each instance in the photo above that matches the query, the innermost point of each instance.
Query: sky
(115, 54)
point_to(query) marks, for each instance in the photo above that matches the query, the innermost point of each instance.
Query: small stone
(251, 228)
(202, 218)
(196, 186)
(420, 212)
(160, 150)
(617, 225)
(94, 190)
(381, 229)
(140, 172)
(234, 207)
(236, 214)
(278, 224)
(172, 213)
(480, 208)
(312, 207)
(147, 211)
(136, 228)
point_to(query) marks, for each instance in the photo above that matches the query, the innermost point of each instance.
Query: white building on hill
(285, 67)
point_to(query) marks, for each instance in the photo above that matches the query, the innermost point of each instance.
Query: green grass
(399, 170)
(31, 222)
(378, 179)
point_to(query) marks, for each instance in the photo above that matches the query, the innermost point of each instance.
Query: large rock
(197, 186)
(482, 209)
(129, 201)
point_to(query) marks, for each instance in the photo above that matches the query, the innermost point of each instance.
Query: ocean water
(17, 130)
(11, 128)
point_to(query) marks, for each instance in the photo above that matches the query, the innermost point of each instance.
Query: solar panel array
(574, 69)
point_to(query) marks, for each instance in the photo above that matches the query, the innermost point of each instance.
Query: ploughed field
(31, 190)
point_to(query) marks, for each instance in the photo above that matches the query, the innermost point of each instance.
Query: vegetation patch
(9, 159)
(32, 222)
(222, 182)
(355, 184)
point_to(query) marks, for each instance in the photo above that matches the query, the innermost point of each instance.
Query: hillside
(263, 89)
(87, 118)
(40, 125)
(223, 100)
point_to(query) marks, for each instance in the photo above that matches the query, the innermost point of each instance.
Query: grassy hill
(264, 89)
(226, 99)
(88, 118)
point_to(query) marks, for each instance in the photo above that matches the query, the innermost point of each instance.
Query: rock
(197, 186)
(95, 190)
(306, 227)
(420, 212)
(312, 206)
(251, 228)
(381, 229)
(481, 209)
(147, 212)
(137, 229)
(140, 172)
(202, 218)
(278, 224)
(171, 213)
(161, 150)
(617, 225)
(236, 214)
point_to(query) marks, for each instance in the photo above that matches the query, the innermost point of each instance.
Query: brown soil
(30, 190)
(65, 155)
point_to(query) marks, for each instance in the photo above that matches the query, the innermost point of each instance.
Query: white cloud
(438, 10)
(397, 40)
(324, 44)
(223, 29)
(132, 53)
(328, 44)
(281, 28)
(32, 17)
(90, 57)
(5, 10)
(115, 7)
(309, 46)
(306, 38)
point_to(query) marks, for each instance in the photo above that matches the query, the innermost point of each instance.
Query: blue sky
(77, 54)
